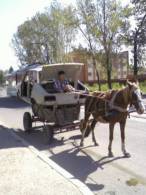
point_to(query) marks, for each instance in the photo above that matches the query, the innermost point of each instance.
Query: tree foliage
(46, 37)
(103, 24)
(10, 70)
(85, 21)
(49, 36)
(2, 78)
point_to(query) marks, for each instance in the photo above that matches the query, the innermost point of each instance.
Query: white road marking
(138, 119)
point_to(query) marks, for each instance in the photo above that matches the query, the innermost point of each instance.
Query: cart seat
(49, 86)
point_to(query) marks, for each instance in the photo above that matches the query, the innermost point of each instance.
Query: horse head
(135, 96)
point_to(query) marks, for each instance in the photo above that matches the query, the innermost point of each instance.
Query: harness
(115, 107)
(109, 105)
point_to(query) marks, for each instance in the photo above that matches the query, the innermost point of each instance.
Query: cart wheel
(48, 134)
(27, 121)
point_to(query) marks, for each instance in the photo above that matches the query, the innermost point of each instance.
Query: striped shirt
(60, 85)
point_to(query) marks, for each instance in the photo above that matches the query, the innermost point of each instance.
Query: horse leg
(88, 106)
(84, 127)
(122, 128)
(93, 134)
(111, 131)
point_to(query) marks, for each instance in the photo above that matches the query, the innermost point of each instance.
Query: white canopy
(72, 71)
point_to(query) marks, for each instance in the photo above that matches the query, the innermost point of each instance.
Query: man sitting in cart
(61, 84)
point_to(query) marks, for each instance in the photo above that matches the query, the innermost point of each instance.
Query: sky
(12, 14)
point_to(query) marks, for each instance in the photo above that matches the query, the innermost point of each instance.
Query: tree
(106, 23)
(85, 22)
(2, 79)
(111, 24)
(46, 37)
(11, 70)
(138, 37)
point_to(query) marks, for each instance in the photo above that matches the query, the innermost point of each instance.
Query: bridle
(134, 102)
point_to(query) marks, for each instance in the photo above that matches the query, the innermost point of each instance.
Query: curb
(76, 182)
(138, 117)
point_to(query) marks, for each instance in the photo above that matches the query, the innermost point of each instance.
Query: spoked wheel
(48, 134)
(27, 122)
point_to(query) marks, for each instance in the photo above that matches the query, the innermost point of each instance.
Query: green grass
(143, 86)
(104, 87)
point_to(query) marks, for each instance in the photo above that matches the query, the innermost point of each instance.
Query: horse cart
(56, 111)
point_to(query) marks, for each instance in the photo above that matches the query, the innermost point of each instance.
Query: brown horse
(111, 107)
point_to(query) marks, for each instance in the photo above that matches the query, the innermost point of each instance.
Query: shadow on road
(38, 139)
(79, 164)
(6, 140)
(12, 102)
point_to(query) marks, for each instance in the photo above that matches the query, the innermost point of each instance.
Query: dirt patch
(132, 182)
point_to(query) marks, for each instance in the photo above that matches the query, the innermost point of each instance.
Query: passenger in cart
(62, 84)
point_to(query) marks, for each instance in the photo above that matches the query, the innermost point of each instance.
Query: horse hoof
(127, 155)
(96, 144)
(110, 154)
(81, 144)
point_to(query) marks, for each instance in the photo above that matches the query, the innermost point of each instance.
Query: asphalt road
(103, 175)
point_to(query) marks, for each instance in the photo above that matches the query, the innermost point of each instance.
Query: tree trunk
(97, 73)
(47, 54)
(94, 64)
(135, 57)
(138, 32)
(109, 79)
(108, 71)
(98, 80)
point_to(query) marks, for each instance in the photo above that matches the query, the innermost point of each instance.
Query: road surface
(90, 164)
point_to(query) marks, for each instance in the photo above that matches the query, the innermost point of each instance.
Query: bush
(143, 86)
(104, 87)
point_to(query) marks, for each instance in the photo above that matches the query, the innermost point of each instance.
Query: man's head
(61, 75)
